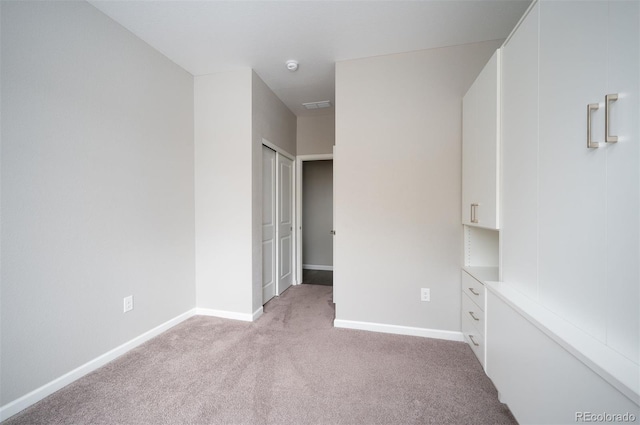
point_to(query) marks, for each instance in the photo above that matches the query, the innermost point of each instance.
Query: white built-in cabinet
(519, 189)
(570, 207)
(473, 305)
(571, 212)
(480, 200)
(480, 147)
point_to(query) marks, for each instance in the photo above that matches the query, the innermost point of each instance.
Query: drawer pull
(473, 316)
(473, 291)
(474, 341)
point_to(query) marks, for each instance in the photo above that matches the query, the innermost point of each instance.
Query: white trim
(49, 388)
(299, 160)
(268, 167)
(278, 149)
(257, 314)
(223, 314)
(317, 267)
(315, 157)
(399, 330)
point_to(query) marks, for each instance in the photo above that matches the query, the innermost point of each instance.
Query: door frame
(294, 237)
(298, 168)
(272, 164)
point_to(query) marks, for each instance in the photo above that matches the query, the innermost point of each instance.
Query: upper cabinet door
(623, 180)
(480, 147)
(519, 222)
(572, 177)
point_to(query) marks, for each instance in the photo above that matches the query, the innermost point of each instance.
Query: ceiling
(206, 37)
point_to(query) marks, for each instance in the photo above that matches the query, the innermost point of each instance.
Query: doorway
(277, 221)
(315, 218)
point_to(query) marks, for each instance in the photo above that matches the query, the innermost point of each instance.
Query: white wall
(97, 190)
(273, 121)
(316, 134)
(317, 213)
(233, 112)
(223, 191)
(397, 176)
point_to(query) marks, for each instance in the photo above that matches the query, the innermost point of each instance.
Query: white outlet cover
(128, 303)
(425, 294)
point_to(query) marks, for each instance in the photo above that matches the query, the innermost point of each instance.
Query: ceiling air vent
(317, 105)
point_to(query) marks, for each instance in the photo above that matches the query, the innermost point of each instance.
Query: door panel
(268, 224)
(520, 157)
(479, 147)
(572, 177)
(285, 257)
(285, 222)
(623, 181)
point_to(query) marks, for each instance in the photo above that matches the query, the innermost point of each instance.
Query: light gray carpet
(289, 367)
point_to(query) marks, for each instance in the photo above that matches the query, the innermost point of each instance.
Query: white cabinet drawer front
(471, 311)
(473, 338)
(474, 289)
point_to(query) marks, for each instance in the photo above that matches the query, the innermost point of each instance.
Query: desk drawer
(471, 311)
(473, 338)
(473, 289)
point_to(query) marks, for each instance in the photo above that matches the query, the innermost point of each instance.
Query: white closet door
(285, 222)
(268, 224)
(572, 178)
(520, 156)
(623, 181)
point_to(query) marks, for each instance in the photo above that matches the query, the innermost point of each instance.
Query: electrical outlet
(425, 294)
(128, 303)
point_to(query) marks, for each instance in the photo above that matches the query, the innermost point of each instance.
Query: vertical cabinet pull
(474, 217)
(607, 116)
(590, 143)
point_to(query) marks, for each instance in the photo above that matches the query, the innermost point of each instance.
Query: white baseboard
(317, 267)
(399, 330)
(234, 315)
(38, 394)
(257, 314)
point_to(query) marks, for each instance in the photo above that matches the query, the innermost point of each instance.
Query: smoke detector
(292, 65)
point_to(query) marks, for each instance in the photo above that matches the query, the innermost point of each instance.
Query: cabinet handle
(473, 291)
(473, 316)
(591, 107)
(474, 218)
(474, 341)
(607, 115)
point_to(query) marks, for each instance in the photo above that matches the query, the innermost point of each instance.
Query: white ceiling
(206, 37)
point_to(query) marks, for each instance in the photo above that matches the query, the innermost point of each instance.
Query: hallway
(317, 277)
